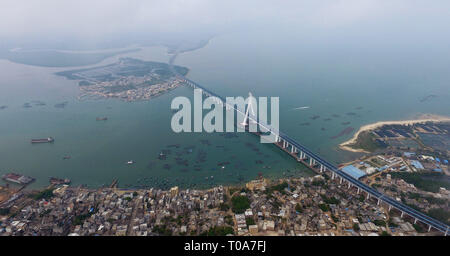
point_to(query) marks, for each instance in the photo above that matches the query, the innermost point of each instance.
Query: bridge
(303, 155)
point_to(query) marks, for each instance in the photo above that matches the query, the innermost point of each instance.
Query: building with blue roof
(417, 164)
(409, 154)
(353, 171)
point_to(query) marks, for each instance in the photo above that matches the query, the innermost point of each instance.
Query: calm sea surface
(341, 86)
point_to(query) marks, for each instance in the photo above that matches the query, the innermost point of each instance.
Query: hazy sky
(95, 20)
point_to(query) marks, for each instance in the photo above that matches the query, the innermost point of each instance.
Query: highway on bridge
(327, 165)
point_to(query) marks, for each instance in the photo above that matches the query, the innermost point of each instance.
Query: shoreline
(346, 145)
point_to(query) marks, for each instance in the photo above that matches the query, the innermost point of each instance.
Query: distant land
(56, 58)
(128, 79)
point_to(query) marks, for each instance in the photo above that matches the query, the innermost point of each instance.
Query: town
(312, 206)
(128, 79)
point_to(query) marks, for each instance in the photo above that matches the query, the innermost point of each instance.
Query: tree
(385, 233)
(380, 223)
(298, 208)
(324, 207)
(239, 204)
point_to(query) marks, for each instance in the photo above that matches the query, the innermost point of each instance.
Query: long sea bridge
(310, 159)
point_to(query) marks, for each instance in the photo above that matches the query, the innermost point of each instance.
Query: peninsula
(366, 138)
(128, 79)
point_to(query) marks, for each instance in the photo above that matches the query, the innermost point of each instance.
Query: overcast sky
(98, 19)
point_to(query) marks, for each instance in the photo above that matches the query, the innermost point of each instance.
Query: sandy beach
(421, 119)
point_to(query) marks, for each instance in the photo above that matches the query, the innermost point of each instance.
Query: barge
(47, 140)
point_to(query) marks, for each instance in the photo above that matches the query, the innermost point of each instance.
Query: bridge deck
(327, 165)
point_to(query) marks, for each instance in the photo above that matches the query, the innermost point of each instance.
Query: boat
(66, 157)
(131, 162)
(162, 156)
(47, 140)
(101, 118)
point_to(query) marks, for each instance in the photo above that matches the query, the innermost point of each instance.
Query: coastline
(346, 145)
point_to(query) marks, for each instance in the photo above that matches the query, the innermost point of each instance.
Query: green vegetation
(335, 219)
(79, 219)
(356, 227)
(330, 200)
(224, 207)
(220, 231)
(440, 214)
(162, 230)
(276, 205)
(125, 67)
(366, 141)
(51, 58)
(324, 207)
(45, 194)
(45, 213)
(318, 183)
(4, 211)
(298, 208)
(229, 220)
(239, 204)
(249, 221)
(418, 228)
(385, 233)
(379, 223)
(280, 188)
(426, 181)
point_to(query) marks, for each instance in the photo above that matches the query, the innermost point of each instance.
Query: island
(128, 79)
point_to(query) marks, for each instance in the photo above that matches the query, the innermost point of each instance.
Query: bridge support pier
(340, 182)
(390, 207)
(292, 149)
(310, 161)
(378, 203)
(357, 192)
(332, 175)
(401, 216)
(368, 195)
(429, 228)
(415, 221)
(349, 185)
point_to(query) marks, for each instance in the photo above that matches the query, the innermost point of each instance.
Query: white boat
(305, 107)
(130, 162)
